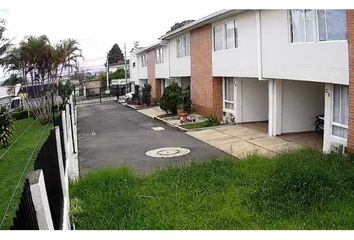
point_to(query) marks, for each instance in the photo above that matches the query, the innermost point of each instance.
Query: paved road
(113, 135)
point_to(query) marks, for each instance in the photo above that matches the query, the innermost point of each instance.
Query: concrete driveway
(113, 135)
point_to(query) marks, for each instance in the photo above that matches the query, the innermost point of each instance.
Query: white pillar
(64, 182)
(40, 201)
(85, 92)
(65, 133)
(327, 118)
(275, 90)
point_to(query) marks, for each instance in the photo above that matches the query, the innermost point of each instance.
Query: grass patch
(196, 125)
(14, 161)
(299, 190)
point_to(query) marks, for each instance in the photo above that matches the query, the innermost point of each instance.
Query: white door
(229, 98)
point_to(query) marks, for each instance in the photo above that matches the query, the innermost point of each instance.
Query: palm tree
(43, 63)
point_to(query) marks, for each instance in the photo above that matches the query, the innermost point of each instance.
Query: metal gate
(85, 95)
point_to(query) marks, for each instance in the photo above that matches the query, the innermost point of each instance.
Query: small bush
(146, 94)
(212, 120)
(20, 115)
(185, 102)
(170, 98)
(7, 126)
(136, 95)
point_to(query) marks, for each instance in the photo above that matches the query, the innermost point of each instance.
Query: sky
(98, 24)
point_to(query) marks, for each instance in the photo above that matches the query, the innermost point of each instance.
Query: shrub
(146, 94)
(136, 95)
(212, 120)
(185, 102)
(170, 98)
(65, 90)
(19, 115)
(7, 125)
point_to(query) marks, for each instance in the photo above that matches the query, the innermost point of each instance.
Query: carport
(293, 107)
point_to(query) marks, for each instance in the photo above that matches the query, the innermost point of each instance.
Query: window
(332, 25)
(229, 93)
(144, 60)
(159, 55)
(301, 25)
(340, 111)
(218, 37)
(183, 46)
(231, 35)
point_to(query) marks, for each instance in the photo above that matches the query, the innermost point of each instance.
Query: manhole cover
(168, 152)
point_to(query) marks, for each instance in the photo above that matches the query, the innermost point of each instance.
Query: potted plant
(184, 105)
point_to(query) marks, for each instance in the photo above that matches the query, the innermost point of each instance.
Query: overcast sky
(98, 24)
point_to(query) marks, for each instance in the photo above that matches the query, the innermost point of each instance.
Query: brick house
(280, 66)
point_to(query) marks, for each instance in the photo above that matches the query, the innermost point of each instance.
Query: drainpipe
(259, 45)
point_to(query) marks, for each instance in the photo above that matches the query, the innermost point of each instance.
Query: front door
(229, 99)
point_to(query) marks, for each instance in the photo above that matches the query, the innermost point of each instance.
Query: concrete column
(275, 92)
(64, 182)
(40, 201)
(65, 134)
(85, 92)
(327, 118)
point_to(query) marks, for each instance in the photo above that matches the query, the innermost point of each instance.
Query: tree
(12, 80)
(40, 63)
(7, 125)
(115, 55)
(4, 42)
(65, 90)
(179, 24)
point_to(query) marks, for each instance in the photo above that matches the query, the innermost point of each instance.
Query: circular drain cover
(168, 152)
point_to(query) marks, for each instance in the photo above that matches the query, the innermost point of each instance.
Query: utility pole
(107, 74)
(125, 69)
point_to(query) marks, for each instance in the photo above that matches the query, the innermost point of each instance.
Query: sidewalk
(152, 111)
(242, 141)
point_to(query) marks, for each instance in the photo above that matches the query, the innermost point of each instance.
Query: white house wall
(240, 61)
(179, 66)
(301, 103)
(142, 70)
(317, 61)
(162, 69)
(134, 71)
(252, 100)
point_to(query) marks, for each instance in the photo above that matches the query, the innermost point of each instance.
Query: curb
(178, 128)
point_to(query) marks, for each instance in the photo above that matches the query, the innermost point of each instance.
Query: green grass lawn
(298, 190)
(196, 125)
(14, 161)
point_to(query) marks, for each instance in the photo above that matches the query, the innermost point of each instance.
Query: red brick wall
(155, 84)
(206, 90)
(350, 26)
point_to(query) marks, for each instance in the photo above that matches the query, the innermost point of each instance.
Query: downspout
(259, 45)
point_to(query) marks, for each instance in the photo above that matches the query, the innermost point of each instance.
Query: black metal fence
(47, 160)
(99, 94)
(26, 218)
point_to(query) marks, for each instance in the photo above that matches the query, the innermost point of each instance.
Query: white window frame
(144, 60)
(183, 46)
(318, 29)
(314, 23)
(159, 55)
(333, 123)
(235, 34)
(227, 110)
(224, 35)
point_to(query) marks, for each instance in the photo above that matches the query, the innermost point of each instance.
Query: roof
(152, 46)
(201, 22)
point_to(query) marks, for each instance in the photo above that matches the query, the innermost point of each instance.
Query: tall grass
(298, 190)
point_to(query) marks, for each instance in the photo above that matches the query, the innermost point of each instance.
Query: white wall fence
(68, 167)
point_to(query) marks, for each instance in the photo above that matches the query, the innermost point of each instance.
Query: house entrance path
(241, 141)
